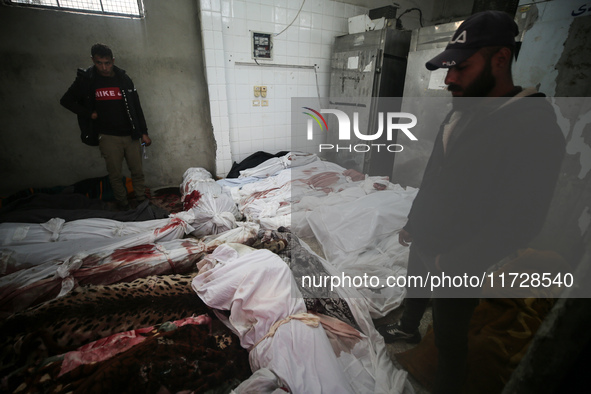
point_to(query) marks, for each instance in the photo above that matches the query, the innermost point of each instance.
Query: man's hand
(404, 237)
(94, 115)
(146, 140)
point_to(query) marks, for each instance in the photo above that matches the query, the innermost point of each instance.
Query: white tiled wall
(240, 128)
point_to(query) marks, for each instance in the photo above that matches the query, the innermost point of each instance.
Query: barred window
(128, 8)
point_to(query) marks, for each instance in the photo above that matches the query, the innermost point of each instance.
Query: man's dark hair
(101, 50)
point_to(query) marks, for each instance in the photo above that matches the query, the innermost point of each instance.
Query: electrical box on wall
(262, 46)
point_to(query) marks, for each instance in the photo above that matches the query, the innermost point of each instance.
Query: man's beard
(480, 87)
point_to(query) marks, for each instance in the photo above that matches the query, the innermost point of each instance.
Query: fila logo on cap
(461, 38)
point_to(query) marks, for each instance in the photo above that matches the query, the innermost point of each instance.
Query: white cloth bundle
(42, 282)
(274, 165)
(258, 290)
(208, 207)
(91, 236)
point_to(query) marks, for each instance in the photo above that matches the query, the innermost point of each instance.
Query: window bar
(58, 6)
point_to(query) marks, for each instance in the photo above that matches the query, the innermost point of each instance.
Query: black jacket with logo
(80, 99)
(490, 193)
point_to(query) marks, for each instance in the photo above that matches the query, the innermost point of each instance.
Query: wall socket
(260, 91)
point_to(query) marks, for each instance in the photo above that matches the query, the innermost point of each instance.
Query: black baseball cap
(483, 29)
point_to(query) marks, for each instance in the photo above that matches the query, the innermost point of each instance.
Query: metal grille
(133, 8)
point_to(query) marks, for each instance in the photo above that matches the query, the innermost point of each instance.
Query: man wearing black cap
(486, 188)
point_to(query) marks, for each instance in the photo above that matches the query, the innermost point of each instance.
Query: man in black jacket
(110, 116)
(486, 189)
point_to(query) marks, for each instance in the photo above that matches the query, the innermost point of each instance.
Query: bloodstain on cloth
(191, 200)
(323, 181)
(134, 253)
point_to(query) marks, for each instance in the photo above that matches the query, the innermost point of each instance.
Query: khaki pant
(114, 149)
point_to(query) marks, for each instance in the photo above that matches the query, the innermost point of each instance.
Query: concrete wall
(40, 49)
